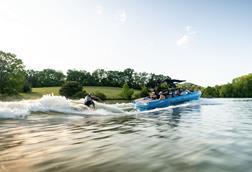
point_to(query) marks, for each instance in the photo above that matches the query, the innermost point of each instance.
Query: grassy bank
(112, 93)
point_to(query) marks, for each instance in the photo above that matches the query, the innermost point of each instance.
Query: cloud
(122, 16)
(99, 10)
(186, 39)
(190, 31)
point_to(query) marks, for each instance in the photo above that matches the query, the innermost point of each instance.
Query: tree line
(14, 79)
(240, 87)
(100, 77)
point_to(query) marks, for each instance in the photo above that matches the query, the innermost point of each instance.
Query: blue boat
(148, 104)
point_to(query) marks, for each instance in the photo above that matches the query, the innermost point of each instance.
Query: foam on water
(60, 104)
(49, 103)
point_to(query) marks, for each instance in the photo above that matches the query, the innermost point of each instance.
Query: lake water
(55, 134)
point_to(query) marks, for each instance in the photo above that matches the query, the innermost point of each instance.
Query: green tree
(153, 79)
(127, 92)
(114, 79)
(210, 92)
(81, 76)
(162, 87)
(12, 74)
(190, 86)
(99, 76)
(144, 92)
(45, 78)
(27, 87)
(32, 78)
(100, 95)
(72, 89)
(242, 86)
(128, 76)
(140, 80)
(51, 77)
(226, 90)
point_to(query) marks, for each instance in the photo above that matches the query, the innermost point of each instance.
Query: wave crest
(60, 104)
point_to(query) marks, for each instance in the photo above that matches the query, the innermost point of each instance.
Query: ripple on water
(210, 135)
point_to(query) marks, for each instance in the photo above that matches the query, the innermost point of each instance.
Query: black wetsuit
(88, 101)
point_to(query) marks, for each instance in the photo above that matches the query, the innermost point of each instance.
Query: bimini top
(171, 82)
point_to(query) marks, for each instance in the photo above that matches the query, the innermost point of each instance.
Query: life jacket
(87, 99)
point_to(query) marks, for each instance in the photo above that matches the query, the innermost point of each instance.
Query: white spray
(49, 103)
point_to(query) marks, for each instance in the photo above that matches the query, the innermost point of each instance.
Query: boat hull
(143, 104)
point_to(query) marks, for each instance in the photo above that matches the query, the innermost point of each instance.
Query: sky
(203, 42)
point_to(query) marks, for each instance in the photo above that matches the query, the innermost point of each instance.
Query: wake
(58, 104)
(62, 105)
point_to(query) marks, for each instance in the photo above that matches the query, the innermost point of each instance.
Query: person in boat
(89, 100)
(185, 92)
(177, 92)
(153, 95)
(161, 95)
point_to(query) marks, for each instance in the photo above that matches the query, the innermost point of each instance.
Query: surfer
(89, 100)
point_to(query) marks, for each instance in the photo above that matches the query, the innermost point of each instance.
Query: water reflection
(193, 137)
